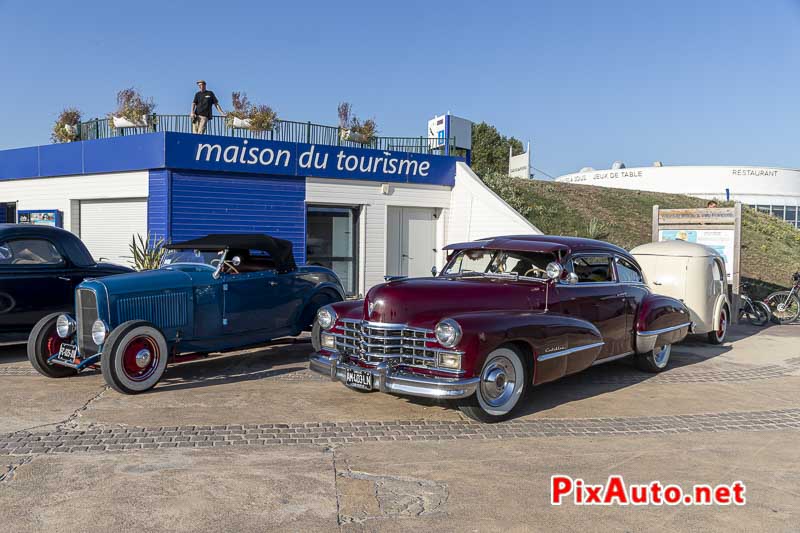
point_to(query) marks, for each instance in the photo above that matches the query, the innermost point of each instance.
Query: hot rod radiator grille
(87, 315)
(164, 310)
(395, 343)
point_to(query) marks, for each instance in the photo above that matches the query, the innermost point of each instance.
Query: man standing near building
(201, 107)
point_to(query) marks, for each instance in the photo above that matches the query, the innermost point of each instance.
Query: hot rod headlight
(99, 332)
(326, 317)
(448, 332)
(65, 326)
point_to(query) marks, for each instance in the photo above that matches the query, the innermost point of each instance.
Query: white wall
(56, 193)
(477, 212)
(373, 219)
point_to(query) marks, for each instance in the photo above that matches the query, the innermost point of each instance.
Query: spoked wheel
(784, 306)
(757, 313)
(43, 343)
(656, 360)
(503, 381)
(134, 357)
(718, 335)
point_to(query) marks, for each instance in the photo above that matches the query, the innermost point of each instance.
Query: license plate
(67, 352)
(358, 379)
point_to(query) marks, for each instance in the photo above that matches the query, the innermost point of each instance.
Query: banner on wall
(40, 217)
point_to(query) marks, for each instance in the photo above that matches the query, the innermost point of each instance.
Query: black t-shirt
(203, 103)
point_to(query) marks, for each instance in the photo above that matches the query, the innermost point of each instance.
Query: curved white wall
(749, 185)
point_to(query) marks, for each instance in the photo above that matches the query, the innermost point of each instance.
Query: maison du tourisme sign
(231, 154)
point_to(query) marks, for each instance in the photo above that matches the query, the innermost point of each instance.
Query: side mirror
(572, 278)
(554, 270)
(434, 271)
(236, 261)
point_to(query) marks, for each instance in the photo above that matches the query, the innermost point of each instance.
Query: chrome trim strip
(553, 355)
(383, 325)
(662, 330)
(612, 358)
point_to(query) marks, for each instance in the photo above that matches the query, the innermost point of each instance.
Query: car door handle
(273, 283)
(64, 278)
(657, 283)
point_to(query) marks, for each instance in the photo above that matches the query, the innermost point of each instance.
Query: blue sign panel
(253, 156)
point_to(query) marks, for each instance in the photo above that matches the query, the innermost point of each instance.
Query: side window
(627, 272)
(29, 252)
(592, 268)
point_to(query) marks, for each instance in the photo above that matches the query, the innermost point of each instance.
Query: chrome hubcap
(143, 358)
(498, 381)
(662, 356)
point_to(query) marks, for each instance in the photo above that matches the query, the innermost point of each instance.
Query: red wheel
(134, 357)
(140, 358)
(718, 336)
(43, 343)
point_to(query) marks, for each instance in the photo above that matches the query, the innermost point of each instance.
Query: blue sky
(588, 82)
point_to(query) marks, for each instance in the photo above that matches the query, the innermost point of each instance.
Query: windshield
(196, 257)
(477, 262)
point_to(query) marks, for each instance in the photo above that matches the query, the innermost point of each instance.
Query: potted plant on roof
(246, 115)
(352, 129)
(133, 110)
(66, 127)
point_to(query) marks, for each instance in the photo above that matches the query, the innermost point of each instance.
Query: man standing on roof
(201, 107)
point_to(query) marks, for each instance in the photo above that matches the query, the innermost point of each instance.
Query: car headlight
(448, 332)
(65, 326)
(99, 332)
(326, 317)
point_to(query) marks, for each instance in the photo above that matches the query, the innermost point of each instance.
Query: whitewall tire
(503, 382)
(134, 357)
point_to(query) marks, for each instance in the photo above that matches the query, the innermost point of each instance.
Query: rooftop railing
(284, 130)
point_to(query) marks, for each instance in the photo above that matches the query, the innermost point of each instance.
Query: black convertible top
(279, 249)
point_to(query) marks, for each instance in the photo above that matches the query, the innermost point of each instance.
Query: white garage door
(107, 227)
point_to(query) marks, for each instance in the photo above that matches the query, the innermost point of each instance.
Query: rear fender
(555, 344)
(660, 320)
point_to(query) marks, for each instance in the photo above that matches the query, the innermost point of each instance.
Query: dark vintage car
(211, 294)
(40, 266)
(505, 314)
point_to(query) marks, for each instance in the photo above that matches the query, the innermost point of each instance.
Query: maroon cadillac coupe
(505, 314)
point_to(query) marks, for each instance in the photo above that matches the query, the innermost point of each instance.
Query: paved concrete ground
(254, 441)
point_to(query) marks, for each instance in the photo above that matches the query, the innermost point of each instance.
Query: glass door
(332, 242)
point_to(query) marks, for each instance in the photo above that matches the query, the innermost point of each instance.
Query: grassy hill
(770, 247)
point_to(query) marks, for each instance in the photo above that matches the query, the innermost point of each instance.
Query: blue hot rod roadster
(215, 293)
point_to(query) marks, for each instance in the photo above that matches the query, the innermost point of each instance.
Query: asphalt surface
(254, 441)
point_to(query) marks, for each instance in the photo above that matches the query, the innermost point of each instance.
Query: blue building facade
(202, 184)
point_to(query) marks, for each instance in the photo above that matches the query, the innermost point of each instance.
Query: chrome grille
(86, 314)
(396, 344)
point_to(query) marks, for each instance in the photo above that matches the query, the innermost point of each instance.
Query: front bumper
(387, 380)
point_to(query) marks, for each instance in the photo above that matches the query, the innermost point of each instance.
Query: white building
(770, 190)
(365, 213)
